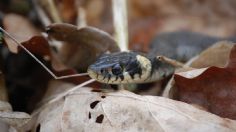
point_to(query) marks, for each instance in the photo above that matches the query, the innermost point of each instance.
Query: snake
(132, 67)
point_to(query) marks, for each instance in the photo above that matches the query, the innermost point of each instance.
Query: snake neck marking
(128, 67)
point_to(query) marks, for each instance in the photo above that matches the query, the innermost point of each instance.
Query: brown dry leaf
(98, 13)
(216, 55)
(20, 28)
(80, 43)
(39, 46)
(93, 110)
(213, 88)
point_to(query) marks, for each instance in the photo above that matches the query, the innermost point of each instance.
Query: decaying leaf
(213, 88)
(93, 110)
(81, 42)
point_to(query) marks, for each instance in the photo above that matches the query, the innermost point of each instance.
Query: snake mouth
(104, 76)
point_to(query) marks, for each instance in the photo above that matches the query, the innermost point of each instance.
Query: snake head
(120, 68)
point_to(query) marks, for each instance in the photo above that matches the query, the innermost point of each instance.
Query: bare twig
(53, 10)
(60, 96)
(81, 17)
(41, 13)
(172, 62)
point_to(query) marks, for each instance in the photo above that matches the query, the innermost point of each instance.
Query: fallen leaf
(15, 119)
(216, 55)
(20, 28)
(90, 110)
(81, 42)
(213, 88)
(5, 106)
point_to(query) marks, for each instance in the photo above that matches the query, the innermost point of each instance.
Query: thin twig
(53, 11)
(60, 96)
(41, 13)
(81, 17)
(172, 62)
(36, 59)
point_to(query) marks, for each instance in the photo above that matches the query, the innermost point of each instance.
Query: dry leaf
(216, 55)
(15, 119)
(5, 106)
(20, 28)
(93, 110)
(80, 43)
(213, 88)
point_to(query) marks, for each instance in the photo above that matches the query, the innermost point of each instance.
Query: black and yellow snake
(131, 67)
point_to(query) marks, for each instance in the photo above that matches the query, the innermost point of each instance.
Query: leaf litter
(103, 98)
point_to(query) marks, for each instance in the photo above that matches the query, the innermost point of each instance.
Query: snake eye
(117, 69)
(102, 71)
